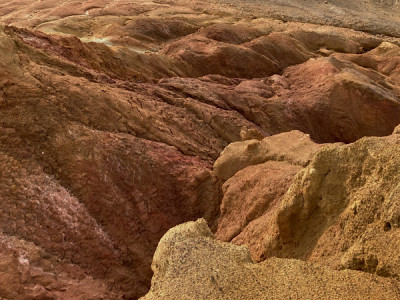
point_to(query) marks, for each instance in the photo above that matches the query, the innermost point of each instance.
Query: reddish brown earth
(114, 112)
(258, 175)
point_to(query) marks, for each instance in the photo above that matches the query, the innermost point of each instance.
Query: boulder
(190, 263)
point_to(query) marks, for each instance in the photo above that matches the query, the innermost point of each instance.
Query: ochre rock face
(114, 120)
(251, 199)
(189, 263)
(293, 147)
(347, 202)
(77, 182)
(258, 175)
(342, 210)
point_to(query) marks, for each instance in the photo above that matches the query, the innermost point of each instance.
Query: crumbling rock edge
(190, 263)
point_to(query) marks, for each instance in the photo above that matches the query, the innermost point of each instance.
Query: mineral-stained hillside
(122, 119)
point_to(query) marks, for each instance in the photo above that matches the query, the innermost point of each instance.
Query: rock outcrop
(347, 202)
(114, 112)
(341, 210)
(258, 174)
(190, 264)
(294, 147)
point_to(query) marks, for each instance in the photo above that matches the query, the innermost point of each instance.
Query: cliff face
(122, 119)
(341, 210)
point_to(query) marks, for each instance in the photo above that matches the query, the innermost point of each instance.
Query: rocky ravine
(341, 212)
(114, 120)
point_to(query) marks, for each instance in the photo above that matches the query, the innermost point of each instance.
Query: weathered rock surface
(352, 102)
(130, 192)
(190, 264)
(258, 175)
(251, 199)
(113, 113)
(341, 210)
(29, 272)
(375, 16)
(347, 202)
(294, 147)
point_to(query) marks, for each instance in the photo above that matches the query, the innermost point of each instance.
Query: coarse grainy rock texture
(342, 210)
(258, 174)
(125, 183)
(251, 201)
(29, 272)
(396, 130)
(293, 147)
(347, 200)
(114, 112)
(190, 264)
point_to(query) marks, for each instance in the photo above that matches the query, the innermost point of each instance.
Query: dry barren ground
(114, 117)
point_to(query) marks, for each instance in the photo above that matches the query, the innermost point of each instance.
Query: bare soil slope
(114, 112)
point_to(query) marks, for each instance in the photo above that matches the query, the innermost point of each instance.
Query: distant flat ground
(373, 16)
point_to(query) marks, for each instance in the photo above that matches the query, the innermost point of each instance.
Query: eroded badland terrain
(271, 123)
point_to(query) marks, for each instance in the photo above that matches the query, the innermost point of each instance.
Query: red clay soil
(113, 113)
